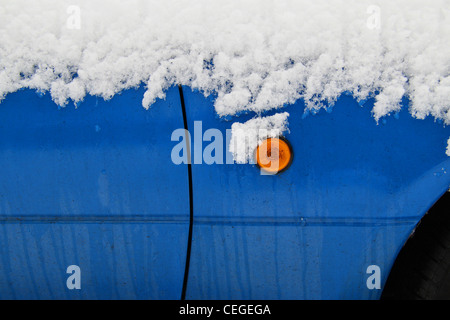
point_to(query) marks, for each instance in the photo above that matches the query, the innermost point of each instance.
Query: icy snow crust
(252, 54)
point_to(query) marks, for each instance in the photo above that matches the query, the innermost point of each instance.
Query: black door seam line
(191, 196)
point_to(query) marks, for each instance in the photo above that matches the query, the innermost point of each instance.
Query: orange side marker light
(274, 155)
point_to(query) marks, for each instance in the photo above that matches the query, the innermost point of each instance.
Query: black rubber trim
(191, 197)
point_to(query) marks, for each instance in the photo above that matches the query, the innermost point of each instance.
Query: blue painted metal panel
(351, 198)
(94, 187)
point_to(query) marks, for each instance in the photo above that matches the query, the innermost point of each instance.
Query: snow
(253, 55)
(447, 152)
(245, 137)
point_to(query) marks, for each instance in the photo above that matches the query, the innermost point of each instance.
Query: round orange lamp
(274, 155)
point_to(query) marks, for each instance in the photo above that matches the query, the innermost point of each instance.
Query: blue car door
(91, 205)
(353, 194)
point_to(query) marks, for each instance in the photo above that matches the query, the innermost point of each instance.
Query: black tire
(422, 269)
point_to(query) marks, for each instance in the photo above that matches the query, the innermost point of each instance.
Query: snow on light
(245, 137)
(252, 54)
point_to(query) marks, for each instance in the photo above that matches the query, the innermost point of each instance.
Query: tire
(422, 269)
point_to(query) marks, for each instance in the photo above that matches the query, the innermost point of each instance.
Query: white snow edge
(447, 152)
(255, 55)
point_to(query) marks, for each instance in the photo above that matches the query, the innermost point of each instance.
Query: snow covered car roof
(252, 55)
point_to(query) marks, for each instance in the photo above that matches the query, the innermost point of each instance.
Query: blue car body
(95, 186)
